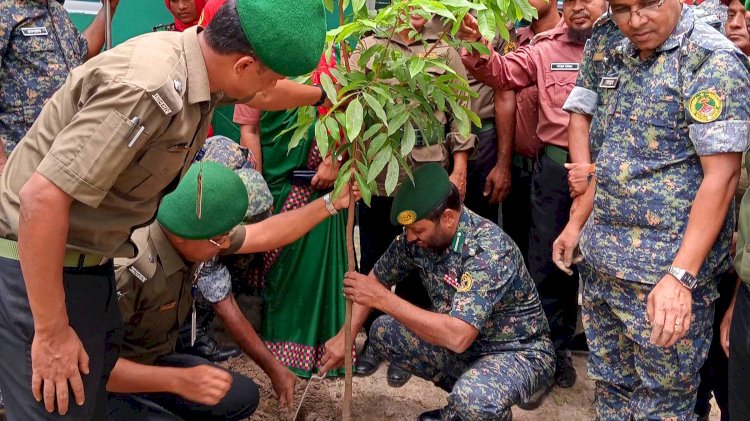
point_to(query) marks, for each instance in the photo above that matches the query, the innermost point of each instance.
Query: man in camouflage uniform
(673, 123)
(39, 46)
(485, 338)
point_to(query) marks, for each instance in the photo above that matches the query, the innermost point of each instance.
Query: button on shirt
(551, 63)
(648, 169)
(482, 281)
(39, 46)
(116, 137)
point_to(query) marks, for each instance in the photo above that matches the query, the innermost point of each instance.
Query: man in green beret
(195, 223)
(485, 339)
(107, 147)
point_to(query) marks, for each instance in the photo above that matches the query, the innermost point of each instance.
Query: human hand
(469, 29)
(342, 201)
(459, 179)
(363, 289)
(724, 329)
(669, 307)
(58, 358)
(283, 382)
(326, 174)
(334, 354)
(204, 384)
(564, 249)
(578, 178)
(497, 185)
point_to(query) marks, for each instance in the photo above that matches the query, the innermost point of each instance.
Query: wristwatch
(323, 96)
(686, 278)
(329, 206)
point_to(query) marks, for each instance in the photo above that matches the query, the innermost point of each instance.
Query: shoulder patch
(705, 106)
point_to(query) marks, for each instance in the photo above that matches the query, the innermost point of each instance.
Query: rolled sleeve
(581, 101)
(725, 76)
(90, 153)
(720, 137)
(246, 115)
(395, 264)
(216, 284)
(512, 71)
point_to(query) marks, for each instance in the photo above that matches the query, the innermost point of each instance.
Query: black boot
(565, 373)
(537, 398)
(433, 415)
(397, 376)
(205, 346)
(367, 362)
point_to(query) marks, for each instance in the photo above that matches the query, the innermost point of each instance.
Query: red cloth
(324, 67)
(527, 109)
(209, 11)
(179, 26)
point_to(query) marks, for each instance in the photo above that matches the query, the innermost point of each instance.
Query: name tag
(565, 67)
(168, 306)
(34, 31)
(609, 82)
(141, 277)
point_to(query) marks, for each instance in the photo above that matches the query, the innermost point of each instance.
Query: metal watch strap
(686, 278)
(329, 206)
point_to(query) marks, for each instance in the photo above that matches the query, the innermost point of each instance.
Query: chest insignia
(162, 105)
(565, 67)
(609, 82)
(706, 106)
(466, 282)
(37, 31)
(452, 281)
(141, 277)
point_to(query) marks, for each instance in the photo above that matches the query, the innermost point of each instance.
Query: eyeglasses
(648, 10)
(218, 241)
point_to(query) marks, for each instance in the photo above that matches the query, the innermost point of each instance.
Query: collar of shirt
(198, 87)
(463, 241)
(170, 260)
(683, 28)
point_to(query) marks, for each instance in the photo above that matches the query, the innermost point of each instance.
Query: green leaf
(321, 137)
(364, 189)
(357, 5)
(391, 177)
(463, 3)
(405, 166)
(378, 163)
(487, 24)
(370, 132)
(297, 136)
(407, 142)
(339, 76)
(329, 87)
(416, 66)
(354, 119)
(376, 144)
(397, 122)
(333, 128)
(438, 9)
(480, 47)
(342, 181)
(328, 5)
(376, 107)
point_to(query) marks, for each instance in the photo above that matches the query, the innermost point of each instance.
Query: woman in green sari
(303, 304)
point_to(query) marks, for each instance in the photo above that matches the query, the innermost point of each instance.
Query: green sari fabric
(304, 306)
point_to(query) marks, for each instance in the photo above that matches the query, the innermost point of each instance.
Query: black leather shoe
(565, 373)
(537, 398)
(397, 377)
(366, 364)
(433, 415)
(207, 347)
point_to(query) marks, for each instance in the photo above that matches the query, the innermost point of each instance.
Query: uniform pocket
(32, 44)
(156, 169)
(558, 85)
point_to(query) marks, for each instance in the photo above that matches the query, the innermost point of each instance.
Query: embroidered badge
(466, 282)
(407, 217)
(452, 281)
(509, 46)
(706, 106)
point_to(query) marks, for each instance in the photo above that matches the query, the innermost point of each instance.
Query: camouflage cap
(259, 196)
(224, 151)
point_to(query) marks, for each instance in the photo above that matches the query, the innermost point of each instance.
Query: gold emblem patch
(407, 217)
(466, 282)
(509, 46)
(706, 106)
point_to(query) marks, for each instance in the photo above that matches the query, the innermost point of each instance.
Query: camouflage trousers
(635, 379)
(482, 386)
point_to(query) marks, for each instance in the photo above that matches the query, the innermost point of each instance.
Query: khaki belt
(556, 154)
(9, 250)
(522, 162)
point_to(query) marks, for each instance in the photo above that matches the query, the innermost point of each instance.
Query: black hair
(453, 201)
(224, 34)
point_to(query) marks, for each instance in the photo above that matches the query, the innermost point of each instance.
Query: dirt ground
(375, 400)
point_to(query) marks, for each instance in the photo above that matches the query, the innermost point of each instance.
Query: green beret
(288, 36)
(223, 203)
(415, 201)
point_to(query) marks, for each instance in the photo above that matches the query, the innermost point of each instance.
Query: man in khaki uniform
(105, 149)
(155, 291)
(376, 232)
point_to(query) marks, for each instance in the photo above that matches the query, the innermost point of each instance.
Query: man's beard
(581, 36)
